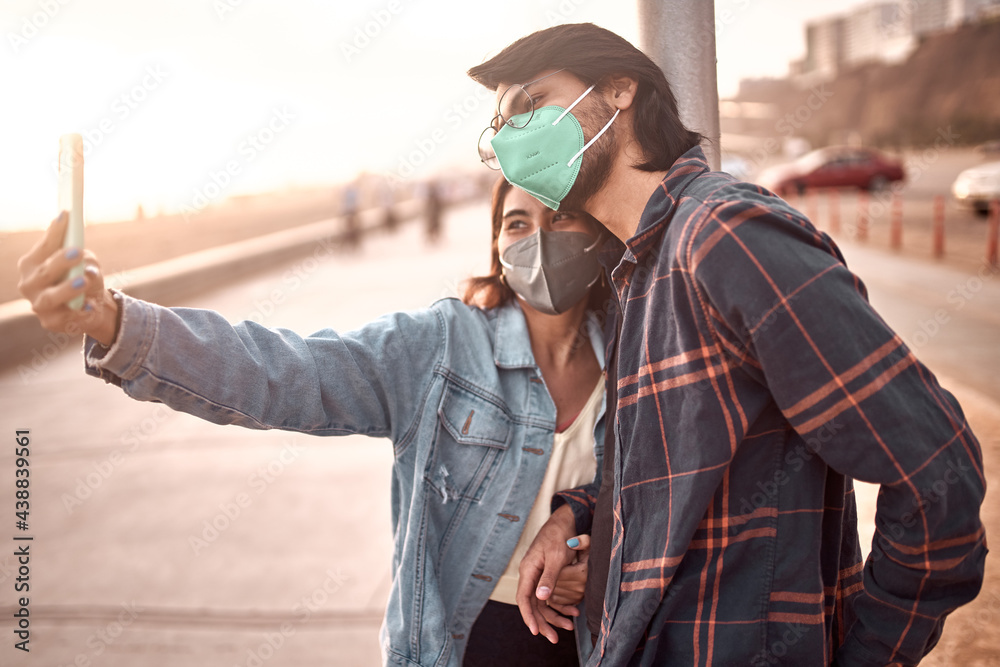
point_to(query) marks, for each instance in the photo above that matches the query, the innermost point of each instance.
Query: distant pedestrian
(433, 208)
(388, 199)
(349, 211)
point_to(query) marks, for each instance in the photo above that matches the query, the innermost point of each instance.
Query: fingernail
(91, 270)
(572, 542)
(543, 590)
(72, 253)
(78, 283)
(87, 307)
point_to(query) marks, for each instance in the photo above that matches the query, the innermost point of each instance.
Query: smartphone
(71, 198)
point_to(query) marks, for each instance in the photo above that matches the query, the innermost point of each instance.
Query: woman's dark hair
(491, 290)
(590, 53)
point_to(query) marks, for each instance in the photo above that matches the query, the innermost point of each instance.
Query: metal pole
(679, 35)
(993, 234)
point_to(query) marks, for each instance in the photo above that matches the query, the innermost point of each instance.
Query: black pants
(499, 638)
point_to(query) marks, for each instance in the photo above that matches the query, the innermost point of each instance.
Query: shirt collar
(661, 205)
(611, 253)
(512, 348)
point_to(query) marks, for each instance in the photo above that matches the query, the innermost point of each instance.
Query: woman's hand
(43, 282)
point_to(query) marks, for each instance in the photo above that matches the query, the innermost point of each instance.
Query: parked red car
(833, 167)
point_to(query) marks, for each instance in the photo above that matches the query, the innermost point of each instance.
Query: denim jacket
(455, 389)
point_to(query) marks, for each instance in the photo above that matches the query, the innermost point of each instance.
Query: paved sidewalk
(161, 540)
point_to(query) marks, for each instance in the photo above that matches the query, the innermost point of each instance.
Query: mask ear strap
(570, 107)
(596, 137)
(598, 241)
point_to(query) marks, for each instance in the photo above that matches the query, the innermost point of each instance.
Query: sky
(184, 103)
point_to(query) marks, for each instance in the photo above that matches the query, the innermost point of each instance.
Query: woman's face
(523, 215)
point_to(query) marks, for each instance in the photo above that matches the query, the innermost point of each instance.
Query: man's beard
(597, 160)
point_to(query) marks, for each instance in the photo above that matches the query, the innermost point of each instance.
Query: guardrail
(927, 225)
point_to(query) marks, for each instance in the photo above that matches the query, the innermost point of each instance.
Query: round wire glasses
(516, 109)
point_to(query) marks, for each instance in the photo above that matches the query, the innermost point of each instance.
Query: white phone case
(71, 198)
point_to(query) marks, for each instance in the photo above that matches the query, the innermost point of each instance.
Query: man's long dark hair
(591, 53)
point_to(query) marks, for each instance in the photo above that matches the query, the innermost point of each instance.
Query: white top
(571, 464)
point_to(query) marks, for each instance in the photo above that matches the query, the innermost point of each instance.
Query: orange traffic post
(896, 224)
(833, 203)
(862, 234)
(939, 225)
(993, 235)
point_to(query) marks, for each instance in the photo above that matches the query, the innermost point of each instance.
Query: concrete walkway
(160, 540)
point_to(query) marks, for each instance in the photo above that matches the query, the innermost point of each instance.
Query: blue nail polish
(72, 253)
(78, 283)
(572, 542)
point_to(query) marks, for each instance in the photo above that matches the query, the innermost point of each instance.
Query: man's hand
(541, 568)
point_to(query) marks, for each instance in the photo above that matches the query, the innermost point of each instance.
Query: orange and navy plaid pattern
(755, 382)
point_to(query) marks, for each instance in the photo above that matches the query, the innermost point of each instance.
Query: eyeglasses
(516, 108)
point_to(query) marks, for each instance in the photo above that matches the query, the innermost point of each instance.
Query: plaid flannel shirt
(754, 382)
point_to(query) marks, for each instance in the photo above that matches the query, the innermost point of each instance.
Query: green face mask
(543, 158)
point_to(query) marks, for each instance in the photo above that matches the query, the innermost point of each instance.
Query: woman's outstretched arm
(367, 381)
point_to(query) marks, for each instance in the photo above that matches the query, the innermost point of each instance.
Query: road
(161, 540)
(930, 173)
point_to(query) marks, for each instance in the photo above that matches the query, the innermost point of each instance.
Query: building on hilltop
(825, 48)
(876, 33)
(884, 32)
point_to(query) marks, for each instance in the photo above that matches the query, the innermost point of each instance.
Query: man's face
(561, 88)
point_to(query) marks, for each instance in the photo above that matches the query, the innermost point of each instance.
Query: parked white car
(977, 186)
